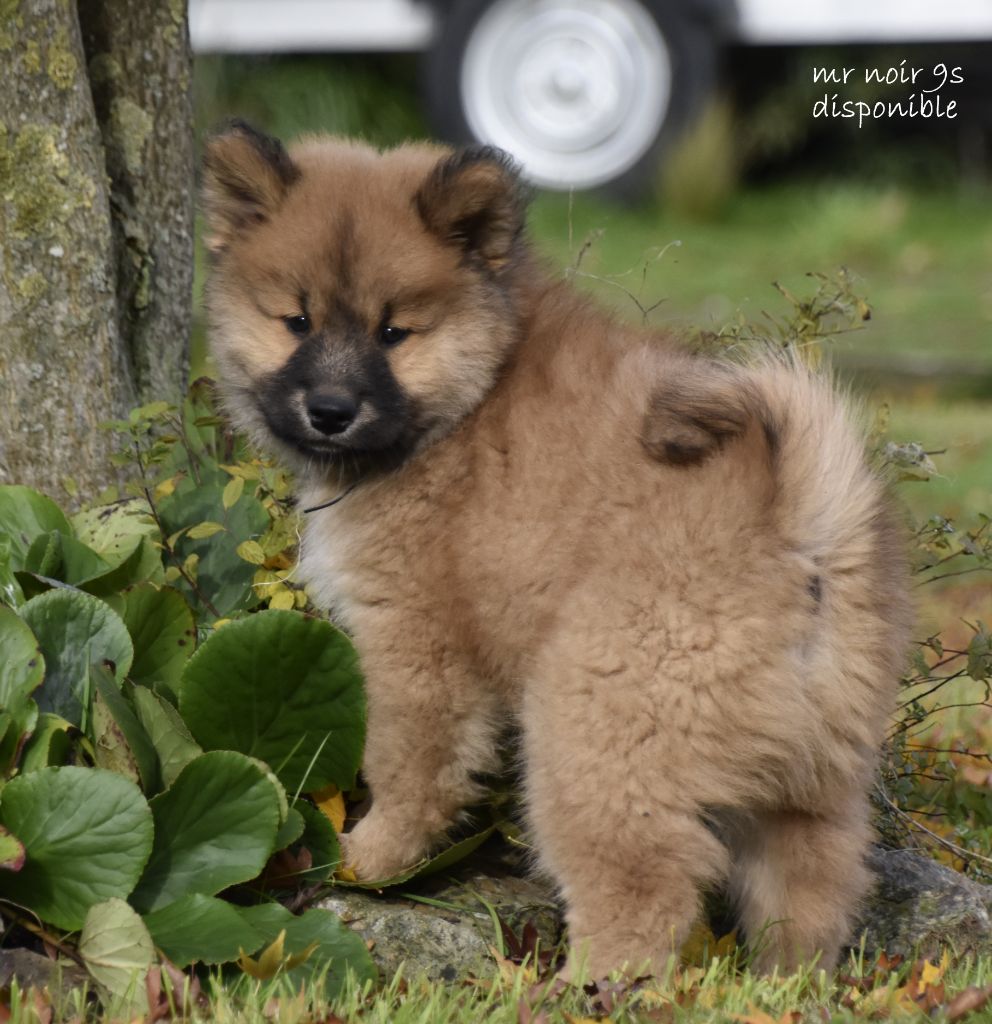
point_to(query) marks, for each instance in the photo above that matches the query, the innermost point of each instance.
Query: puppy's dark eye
(390, 335)
(299, 325)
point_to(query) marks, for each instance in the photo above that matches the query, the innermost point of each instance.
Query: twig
(36, 929)
(946, 843)
(948, 575)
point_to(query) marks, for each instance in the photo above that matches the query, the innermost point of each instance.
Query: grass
(924, 260)
(718, 992)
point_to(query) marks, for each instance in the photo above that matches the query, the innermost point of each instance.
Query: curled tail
(782, 451)
(795, 439)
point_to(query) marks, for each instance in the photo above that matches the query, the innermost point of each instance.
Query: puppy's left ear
(475, 199)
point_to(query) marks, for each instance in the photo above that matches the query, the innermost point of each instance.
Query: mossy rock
(920, 906)
(451, 941)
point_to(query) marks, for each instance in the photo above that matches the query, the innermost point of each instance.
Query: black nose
(331, 412)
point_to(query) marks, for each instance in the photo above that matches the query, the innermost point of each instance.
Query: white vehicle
(582, 92)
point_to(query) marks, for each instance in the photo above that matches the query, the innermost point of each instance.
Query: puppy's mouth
(371, 441)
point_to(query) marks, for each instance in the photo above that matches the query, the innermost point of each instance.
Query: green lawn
(717, 993)
(923, 260)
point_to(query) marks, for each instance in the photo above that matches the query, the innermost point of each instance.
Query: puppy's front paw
(376, 850)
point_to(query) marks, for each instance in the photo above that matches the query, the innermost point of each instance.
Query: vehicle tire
(584, 93)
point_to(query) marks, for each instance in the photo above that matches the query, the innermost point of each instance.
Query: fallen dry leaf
(525, 1015)
(756, 1016)
(966, 1002)
(330, 800)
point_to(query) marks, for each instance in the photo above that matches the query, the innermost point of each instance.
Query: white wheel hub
(576, 90)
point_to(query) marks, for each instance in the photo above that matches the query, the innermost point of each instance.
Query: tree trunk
(96, 223)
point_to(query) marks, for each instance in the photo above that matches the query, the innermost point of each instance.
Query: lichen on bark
(39, 183)
(95, 229)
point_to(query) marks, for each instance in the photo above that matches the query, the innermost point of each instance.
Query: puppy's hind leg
(630, 861)
(797, 878)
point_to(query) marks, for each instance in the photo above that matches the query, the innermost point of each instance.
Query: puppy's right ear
(246, 176)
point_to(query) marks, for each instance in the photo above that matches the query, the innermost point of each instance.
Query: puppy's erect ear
(474, 199)
(246, 175)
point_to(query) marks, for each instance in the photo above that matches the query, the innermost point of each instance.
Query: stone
(443, 930)
(451, 935)
(32, 970)
(920, 905)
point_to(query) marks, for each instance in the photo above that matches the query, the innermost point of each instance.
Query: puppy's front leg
(431, 725)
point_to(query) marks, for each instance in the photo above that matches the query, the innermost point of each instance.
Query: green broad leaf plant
(166, 707)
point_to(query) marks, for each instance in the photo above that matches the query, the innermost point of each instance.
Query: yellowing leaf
(232, 491)
(269, 961)
(757, 1016)
(330, 800)
(203, 530)
(932, 973)
(242, 471)
(702, 945)
(165, 488)
(295, 959)
(272, 959)
(282, 599)
(251, 551)
(300, 597)
(346, 874)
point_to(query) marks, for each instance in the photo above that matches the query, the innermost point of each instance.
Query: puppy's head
(361, 303)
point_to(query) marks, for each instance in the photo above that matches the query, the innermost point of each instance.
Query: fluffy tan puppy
(678, 575)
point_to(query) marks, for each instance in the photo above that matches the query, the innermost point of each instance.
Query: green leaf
(320, 839)
(251, 551)
(22, 665)
(221, 576)
(338, 951)
(49, 745)
(215, 826)
(74, 630)
(87, 834)
(283, 688)
(429, 866)
(454, 854)
(169, 736)
(114, 530)
(63, 557)
(201, 929)
(11, 851)
(44, 557)
(127, 739)
(203, 530)
(17, 724)
(233, 490)
(143, 564)
(163, 630)
(10, 590)
(124, 534)
(980, 654)
(110, 748)
(24, 515)
(118, 951)
(290, 830)
(151, 411)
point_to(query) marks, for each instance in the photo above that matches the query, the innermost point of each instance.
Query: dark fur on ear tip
(267, 146)
(481, 153)
(474, 198)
